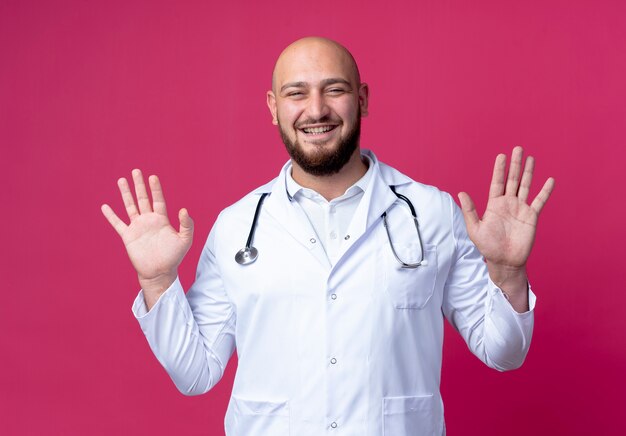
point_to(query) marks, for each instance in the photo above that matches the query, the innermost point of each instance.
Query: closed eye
(295, 94)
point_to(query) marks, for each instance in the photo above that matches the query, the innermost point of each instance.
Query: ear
(364, 93)
(271, 104)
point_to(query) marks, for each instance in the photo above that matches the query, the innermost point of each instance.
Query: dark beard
(324, 163)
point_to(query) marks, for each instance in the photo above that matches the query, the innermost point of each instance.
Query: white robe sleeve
(477, 308)
(192, 336)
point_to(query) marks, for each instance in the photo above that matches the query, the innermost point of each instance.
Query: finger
(127, 198)
(515, 169)
(186, 225)
(469, 212)
(140, 191)
(113, 219)
(527, 178)
(496, 188)
(158, 199)
(541, 198)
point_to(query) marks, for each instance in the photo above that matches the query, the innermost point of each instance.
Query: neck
(333, 185)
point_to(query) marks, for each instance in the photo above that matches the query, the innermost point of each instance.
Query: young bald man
(336, 307)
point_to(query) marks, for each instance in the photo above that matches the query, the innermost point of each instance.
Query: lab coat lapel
(292, 218)
(377, 199)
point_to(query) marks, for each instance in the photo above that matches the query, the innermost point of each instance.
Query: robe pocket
(411, 288)
(409, 415)
(257, 417)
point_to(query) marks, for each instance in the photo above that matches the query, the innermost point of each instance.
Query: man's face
(317, 103)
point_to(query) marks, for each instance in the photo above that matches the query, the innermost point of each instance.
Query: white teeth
(318, 130)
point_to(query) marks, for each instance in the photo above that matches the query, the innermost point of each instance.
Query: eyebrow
(324, 83)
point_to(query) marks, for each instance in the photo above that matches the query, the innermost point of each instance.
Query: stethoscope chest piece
(246, 256)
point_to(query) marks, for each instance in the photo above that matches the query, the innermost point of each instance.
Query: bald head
(313, 53)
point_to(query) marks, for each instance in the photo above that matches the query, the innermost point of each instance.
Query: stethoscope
(249, 253)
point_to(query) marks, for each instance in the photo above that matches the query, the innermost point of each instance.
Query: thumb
(469, 211)
(186, 224)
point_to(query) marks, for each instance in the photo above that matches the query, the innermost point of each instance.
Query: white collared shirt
(330, 219)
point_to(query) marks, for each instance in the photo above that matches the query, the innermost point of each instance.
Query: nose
(317, 107)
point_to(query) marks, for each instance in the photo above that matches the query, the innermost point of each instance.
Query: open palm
(154, 247)
(506, 232)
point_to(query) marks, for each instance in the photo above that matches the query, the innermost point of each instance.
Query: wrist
(511, 279)
(513, 282)
(154, 287)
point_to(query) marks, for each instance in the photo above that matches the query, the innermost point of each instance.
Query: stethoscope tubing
(417, 228)
(249, 254)
(255, 219)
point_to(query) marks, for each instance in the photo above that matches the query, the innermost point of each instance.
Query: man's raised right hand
(154, 247)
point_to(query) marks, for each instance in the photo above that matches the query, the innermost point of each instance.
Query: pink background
(90, 90)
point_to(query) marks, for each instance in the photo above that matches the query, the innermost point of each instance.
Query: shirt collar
(294, 188)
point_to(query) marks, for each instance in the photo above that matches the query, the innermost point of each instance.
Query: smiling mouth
(317, 130)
